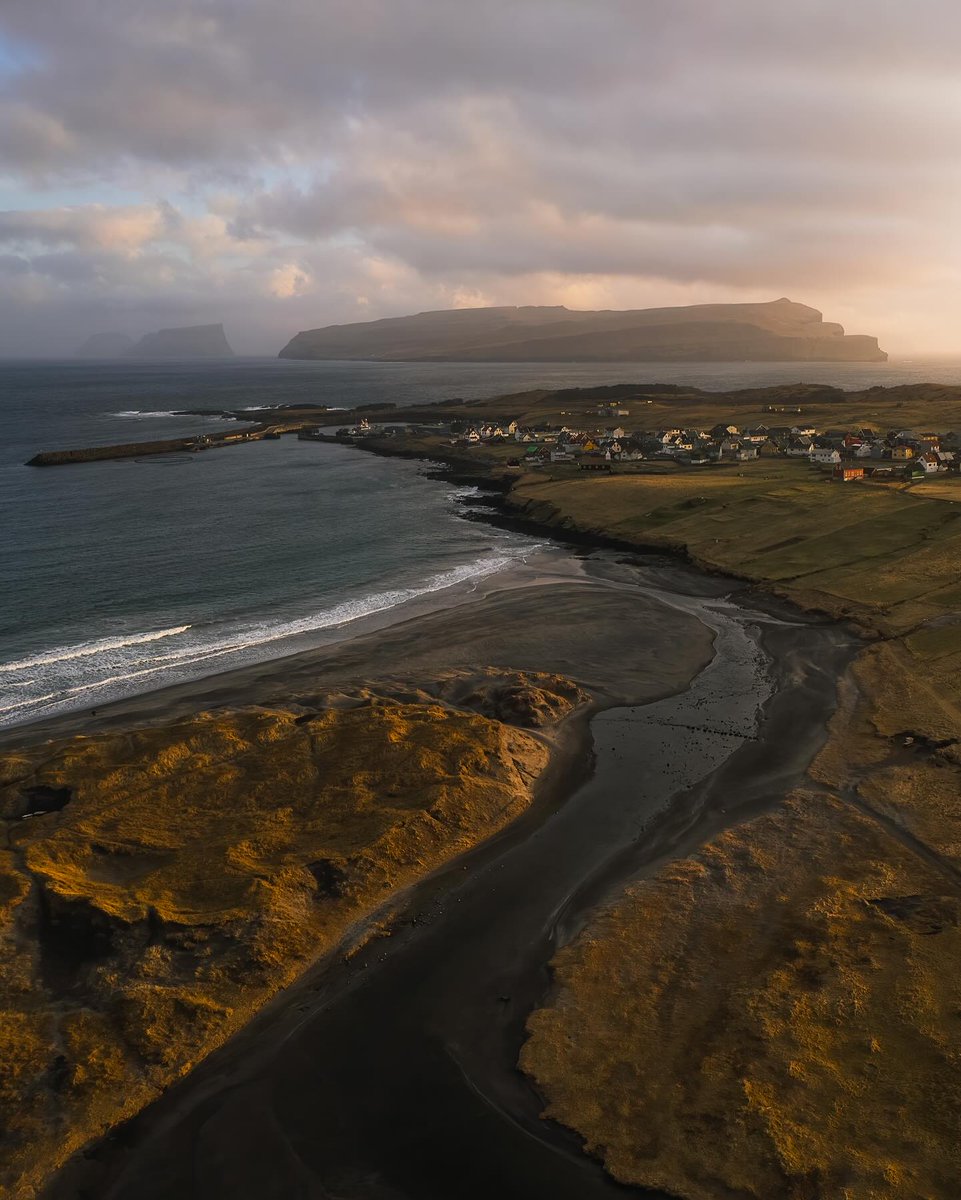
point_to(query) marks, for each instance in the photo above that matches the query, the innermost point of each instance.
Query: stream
(392, 1076)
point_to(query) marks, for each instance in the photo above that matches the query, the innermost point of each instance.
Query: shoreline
(491, 508)
(323, 640)
(697, 817)
(332, 992)
(394, 670)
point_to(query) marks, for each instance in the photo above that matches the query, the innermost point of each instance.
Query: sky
(289, 164)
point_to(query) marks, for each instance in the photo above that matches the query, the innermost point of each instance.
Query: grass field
(886, 556)
(777, 1013)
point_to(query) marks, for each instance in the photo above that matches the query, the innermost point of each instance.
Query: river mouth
(394, 1074)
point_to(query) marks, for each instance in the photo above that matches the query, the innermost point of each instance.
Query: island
(778, 331)
(192, 341)
(106, 345)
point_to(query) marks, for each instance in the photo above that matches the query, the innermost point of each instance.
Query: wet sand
(393, 1073)
(546, 615)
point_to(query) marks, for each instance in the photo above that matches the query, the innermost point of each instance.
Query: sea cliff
(780, 331)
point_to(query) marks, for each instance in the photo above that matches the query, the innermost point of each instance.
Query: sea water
(120, 577)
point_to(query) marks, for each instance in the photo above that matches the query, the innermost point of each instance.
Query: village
(612, 443)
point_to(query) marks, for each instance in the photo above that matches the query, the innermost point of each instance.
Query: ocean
(122, 577)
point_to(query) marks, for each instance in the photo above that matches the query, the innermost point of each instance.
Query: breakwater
(57, 458)
(181, 445)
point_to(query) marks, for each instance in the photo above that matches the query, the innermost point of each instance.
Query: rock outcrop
(779, 331)
(192, 341)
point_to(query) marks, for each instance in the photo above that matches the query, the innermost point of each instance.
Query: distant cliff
(106, 345)
(778, 331)
(193, 341)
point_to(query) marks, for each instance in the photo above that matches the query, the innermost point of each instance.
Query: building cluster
(898, 451)
(852, 453)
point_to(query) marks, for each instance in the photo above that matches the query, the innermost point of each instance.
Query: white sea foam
(145, 413)
(86, 649)
(107, 667)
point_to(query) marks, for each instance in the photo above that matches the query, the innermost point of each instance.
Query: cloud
(309, 163)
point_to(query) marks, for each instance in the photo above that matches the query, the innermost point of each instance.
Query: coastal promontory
(778, 331)
(191, 341)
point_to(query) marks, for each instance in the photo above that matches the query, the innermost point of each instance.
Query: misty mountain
(777, 331)
(192, 341)
(106, 345)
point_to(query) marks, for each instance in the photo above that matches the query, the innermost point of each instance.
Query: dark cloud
(302, 162)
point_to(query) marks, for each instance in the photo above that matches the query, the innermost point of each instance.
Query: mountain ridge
(778, 330)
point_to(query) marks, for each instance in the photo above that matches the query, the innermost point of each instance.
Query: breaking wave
(135, 413)
(105, 669)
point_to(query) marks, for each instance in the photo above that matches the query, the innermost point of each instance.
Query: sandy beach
(629, 638)
(179, 834)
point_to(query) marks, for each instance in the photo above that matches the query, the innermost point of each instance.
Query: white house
(825, 455)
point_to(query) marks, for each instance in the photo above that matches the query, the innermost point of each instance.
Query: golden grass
(745, 1024)
(197, 868)
(751, 1022)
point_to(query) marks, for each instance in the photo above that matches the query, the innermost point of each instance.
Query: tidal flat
(175, 861)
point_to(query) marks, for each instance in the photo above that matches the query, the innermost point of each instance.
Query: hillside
(778, 331)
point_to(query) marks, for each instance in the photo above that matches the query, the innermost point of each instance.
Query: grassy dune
(747, 1025)
(188, 870)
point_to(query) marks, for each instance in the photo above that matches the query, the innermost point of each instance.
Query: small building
(844, 473)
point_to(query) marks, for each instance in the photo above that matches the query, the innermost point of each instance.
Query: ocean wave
(86, 649)
(111, 665)
(135, 413)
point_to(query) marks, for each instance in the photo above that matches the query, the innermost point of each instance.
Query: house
(844, 473)
(825, 455)
(803, 448)
(719, 432)
(931, 462)
(902, 452)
